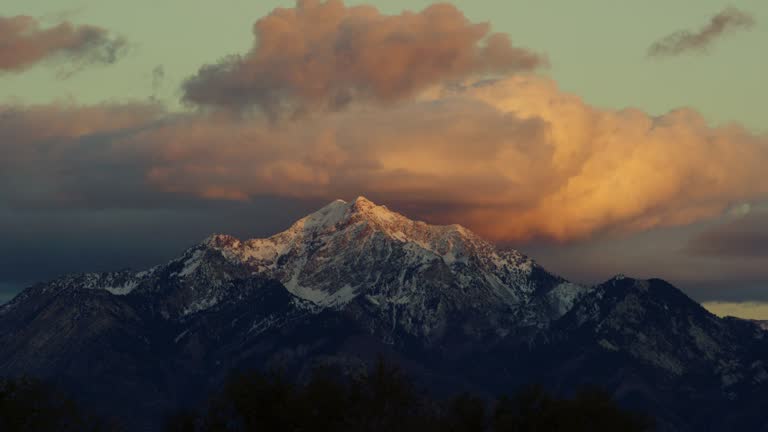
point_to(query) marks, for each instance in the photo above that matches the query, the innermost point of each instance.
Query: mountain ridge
(353, 280)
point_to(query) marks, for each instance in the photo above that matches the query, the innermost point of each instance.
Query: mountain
(354, 280)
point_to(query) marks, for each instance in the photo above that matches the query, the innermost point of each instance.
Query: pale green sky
(596, 47)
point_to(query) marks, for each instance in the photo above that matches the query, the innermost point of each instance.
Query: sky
(597, 137)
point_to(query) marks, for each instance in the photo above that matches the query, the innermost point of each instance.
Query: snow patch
(180, 336)
(564, 296)
(192, 264)
(322, 298)
(200, 305)
(327, 216)
(263, 325)
(607, 345)
(123, 289)
(341, 297)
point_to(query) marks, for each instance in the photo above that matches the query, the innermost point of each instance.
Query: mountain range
(355, 280)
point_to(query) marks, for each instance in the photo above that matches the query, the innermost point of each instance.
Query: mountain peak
(360, 201)
(347, 248)
(220, 240)
(339, 211)
(364, 207)
(363, 202)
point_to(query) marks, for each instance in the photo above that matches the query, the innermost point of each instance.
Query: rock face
(353, 280)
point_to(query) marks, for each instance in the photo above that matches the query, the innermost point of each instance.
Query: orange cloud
(24, 43)
(513, 159)
(324, 55)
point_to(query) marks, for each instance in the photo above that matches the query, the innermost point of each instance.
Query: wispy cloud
(24, 43)
(158, 76)
(686, 41)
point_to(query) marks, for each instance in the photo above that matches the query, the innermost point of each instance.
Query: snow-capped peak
(341, 215)
(349, 248)
(355, 222)
(343, 212)
(359, 250)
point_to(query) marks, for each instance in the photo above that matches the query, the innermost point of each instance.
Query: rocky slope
(356, 279)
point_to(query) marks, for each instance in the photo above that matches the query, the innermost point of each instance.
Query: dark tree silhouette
(383, 399)
(31, 405)
(464, 413)
(591, 410)
(182, 420)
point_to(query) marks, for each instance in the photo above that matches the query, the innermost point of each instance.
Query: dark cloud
(24, 43)
(158, 75)
(731, 287)
(746, 237)
(324, 55)
(65, 156)
(685, 41)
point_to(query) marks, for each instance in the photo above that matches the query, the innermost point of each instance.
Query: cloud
(745, 237)
(71, 156)
(745, 310)
(158, 75)
(25, 43)
(324, 55)
(514, 159)
(682, 42)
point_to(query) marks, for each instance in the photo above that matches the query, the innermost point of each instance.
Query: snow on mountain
(332, 255)
(659, 325)
(415, 274)
(362, 257)
(355, 279)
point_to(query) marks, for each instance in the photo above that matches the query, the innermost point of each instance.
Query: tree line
(382, 399)
(385, 400)
(31, 405)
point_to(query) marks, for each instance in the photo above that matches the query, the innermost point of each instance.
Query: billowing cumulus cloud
(324, 55)
(24, 43)
(514, 159)
(681, 42)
